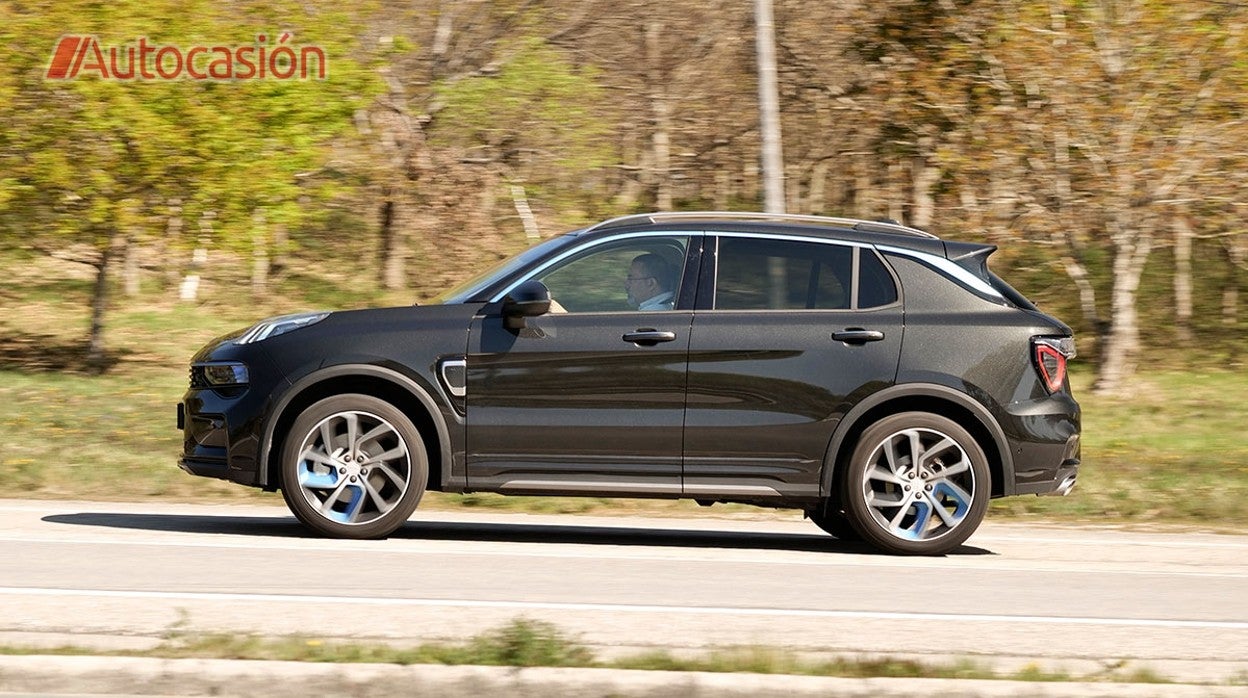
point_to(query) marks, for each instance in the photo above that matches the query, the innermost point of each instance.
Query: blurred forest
(1102, 143)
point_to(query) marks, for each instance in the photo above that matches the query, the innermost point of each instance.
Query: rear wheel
(353, 466)
(916, 484)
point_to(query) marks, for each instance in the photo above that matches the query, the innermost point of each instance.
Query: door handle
(857, 335)
(648, 337)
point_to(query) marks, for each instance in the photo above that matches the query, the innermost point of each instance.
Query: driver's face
(639, 285)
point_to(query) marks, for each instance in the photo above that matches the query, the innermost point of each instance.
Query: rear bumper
(1045, 444)
(1060, 486)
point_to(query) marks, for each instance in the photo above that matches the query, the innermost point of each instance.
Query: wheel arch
(383, 383)
(920, 397)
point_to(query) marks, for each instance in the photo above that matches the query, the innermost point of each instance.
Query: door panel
(567, 405)
(766, 390)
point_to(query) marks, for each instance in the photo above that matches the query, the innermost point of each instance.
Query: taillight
(1050, 355)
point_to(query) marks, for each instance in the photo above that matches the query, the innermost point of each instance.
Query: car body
(874, 376)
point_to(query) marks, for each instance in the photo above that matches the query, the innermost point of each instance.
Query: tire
(928, 512)
(834, 522)
(353, 466)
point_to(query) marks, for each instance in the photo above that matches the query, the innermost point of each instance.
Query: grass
(1174, 452)
(528, 643)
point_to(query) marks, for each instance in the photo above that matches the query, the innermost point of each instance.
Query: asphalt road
(97, 572)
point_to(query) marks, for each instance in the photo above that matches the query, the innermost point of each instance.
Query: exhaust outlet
(1064, 489)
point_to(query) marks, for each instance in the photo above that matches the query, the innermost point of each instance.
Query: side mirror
(529, 299)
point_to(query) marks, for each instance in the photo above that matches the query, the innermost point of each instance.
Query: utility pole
(769, 108)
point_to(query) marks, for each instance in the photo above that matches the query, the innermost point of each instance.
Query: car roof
(827, 227)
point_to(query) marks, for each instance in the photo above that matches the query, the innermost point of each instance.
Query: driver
(650, 283)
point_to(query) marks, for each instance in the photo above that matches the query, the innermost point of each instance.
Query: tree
(1155, 112)
(95, 161)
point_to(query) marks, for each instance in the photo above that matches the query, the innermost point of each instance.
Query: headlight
(223, 374)
(279, 325)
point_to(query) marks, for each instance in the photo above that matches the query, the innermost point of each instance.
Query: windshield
(470, 289)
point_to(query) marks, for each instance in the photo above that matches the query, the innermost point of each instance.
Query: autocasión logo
(84, 56)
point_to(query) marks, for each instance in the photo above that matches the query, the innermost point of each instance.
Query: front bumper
(222, 428)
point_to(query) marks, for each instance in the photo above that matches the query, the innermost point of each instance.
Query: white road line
(623, 608)
(598, 552)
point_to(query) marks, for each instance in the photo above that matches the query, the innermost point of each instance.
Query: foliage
(95, 154)
(536, 103)
(1080, 136)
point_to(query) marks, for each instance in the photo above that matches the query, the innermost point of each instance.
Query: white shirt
(662, 301)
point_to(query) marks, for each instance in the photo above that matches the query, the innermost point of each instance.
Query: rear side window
(783, 275)
(762, 274)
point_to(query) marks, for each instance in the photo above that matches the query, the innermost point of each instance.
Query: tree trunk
(723, 188)
(279, 260)
(925, 178)
(661, 113)
(898, 184)
(1078, 273)
(1182, 278)
(527, 219)
(769, 107)
(259, 255)
(393, 263)
(631, 170)
(97, 358)
(166, 247)
(1123, 342)
(131, 273)
(817, 200)
(199, 258)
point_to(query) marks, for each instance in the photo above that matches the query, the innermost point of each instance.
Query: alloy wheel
(353, 467)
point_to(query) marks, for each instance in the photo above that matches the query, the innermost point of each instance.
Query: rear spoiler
(973, 257)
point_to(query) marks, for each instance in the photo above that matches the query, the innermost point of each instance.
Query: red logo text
(84, 56)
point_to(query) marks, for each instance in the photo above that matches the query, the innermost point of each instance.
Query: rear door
(789, 333)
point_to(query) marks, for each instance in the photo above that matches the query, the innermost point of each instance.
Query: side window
(636, 274)
(875, 284)
(783, 275)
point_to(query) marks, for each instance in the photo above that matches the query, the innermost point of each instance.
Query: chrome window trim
(577, 249)
(940, 263)
(944, 266)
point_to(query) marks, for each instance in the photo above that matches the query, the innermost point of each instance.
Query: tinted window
(640, 273)
(875, 284)
(782, 275)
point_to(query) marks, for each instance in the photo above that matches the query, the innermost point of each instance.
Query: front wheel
(353, 466)
(916, 484)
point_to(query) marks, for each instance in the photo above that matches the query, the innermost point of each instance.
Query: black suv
(876, 377)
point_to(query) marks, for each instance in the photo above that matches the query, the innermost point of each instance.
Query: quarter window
(875, 285)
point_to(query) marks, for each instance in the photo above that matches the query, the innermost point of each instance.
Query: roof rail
(853, 223)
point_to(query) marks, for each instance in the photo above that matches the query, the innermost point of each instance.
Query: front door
(591, 396)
